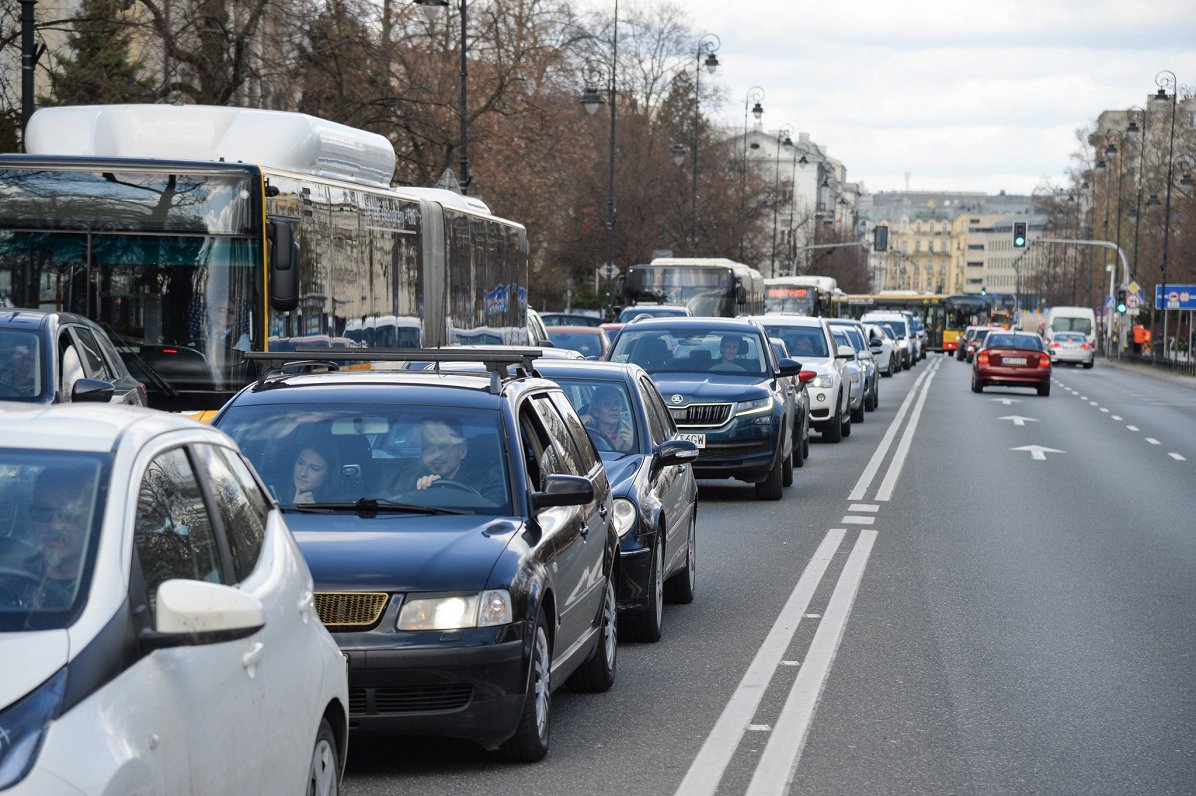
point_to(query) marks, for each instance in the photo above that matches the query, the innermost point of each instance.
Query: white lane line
(894, 472)
(1093, 403)
(712, 759)
(1117, 417)
(849, 520)
(1132, 428)
(778, 763)
(1177, 457)
(1103, 409)
(861, 486)
(1152, 440)
(863, 507)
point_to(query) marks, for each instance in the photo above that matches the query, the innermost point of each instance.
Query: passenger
(605, 422)
(729, 349)
(312, 475)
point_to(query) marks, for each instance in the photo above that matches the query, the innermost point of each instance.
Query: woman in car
(605, 422)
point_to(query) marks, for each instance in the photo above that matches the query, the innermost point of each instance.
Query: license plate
(697, 439)
(1013, 361)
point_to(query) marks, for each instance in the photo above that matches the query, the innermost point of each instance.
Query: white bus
(710, 286)
(801, 295)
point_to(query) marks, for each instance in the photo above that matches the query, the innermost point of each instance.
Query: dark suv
(459, 529)
(727, 392)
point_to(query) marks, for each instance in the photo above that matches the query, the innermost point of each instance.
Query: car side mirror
(563, 490)
(807, 376)
(864, 354)
(789, 367)
(676, 451)
(92, 391)
(845, 352)
(195, 612)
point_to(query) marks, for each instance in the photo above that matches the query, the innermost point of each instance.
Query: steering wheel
(20, 598)
(460, 486)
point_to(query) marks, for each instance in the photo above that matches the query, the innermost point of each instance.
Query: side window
(89, 354)
(586, 453)
(560, 436)
(172, 531)
(240, 504)
(660, 431)
(538, 453)
(662, 411)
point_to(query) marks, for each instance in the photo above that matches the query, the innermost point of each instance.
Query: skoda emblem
(676, 399)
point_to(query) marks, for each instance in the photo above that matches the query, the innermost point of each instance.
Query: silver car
(810, 342)
(1072, 347)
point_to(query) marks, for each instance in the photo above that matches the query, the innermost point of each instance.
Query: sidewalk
(1148, 370)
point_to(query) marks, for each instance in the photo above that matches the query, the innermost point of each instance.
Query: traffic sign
(609, 270)
(1179, 297)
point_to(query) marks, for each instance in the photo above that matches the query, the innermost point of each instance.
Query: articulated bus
(945, 317)
(712, 286)
(192, 234)
(802, 295)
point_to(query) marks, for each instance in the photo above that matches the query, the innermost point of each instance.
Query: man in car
(729, 349)
(442, 458)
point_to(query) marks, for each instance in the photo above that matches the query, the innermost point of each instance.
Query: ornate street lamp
(707, 46)
(433, 8)
(1164, 80)
(783, 141)
(755, 93)
(590, 100)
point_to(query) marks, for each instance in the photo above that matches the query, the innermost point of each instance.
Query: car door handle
(249, 660)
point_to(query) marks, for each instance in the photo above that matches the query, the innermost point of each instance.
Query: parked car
(857, 337)
(59, 357)
(1072, 347)
(460, 529)
(725, 391)
(157, 630)
(633, 311)
(589, 341)
(1012, 359)
(884, 349)
(655, 495)
(810, 343)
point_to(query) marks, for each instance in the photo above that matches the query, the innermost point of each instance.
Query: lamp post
(707, 46)
(783, 140)
(800, 153)
(755, 93)
(1164, 80)
(590, 100)
(1133, 127)
(432, 9)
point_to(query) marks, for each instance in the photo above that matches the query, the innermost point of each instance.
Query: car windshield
(802, 341)
(51, 509)
(691, 350)
(22, 377)
(423, 457)
(586, 344)
(605, 409)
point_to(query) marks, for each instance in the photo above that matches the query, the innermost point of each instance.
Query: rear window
(1082, 325)
(1023, 341)
(802, 341)
(586, 344)
(22, 377)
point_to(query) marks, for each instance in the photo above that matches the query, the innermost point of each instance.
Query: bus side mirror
(284, 266)
(741, 293)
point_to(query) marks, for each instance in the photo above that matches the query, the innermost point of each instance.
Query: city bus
(193, 234)
(801, 295)
(929, 308)
(962, 311)
(710, 286)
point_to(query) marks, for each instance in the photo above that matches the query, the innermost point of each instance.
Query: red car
(1012, 359)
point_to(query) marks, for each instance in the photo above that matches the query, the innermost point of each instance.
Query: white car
(884, 349)
(157, 626)
(904, 336)
(810, 342)
(857, 372)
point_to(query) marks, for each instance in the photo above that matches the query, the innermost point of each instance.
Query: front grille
(697, 415)
(408, 699)
(350, 609)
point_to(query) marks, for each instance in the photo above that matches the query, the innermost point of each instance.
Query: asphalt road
(971, 594)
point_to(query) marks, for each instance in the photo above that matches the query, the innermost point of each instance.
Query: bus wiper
(371, 506)
(150, 372)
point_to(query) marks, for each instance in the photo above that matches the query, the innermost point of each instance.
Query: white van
(1070, 319)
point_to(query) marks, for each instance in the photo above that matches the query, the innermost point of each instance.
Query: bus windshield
(789, 298)
(705, 291)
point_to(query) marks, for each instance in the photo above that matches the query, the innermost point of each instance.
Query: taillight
(982, 357)
(1056, 345)
(1044, 360)
(1084, 346)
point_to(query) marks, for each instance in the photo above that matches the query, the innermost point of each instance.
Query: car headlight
(487, 609)
(625, 516)
(825, 381)
(23, 726)
(753, 407)
(902, 344)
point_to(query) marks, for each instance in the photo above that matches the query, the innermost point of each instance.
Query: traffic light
(983, 291)
(1121, 305)
(880, 239)
(1019, 234)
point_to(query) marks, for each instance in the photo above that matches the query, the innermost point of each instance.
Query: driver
(442, 458)
(60, 514)
(605, 421)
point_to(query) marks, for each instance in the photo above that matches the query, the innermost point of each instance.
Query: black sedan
(655, 495)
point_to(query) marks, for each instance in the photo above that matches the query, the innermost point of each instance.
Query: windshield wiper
(371, 506)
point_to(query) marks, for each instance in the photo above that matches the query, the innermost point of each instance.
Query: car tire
(834, 432)
(1089, 364)
(977, 385)
(1044, 389)
(847, 425)
(800, 450)
(772, 486)
(531, 738)
(324, 772)
(680, 587)
(787, 468)
(597, 674)
(857, 415)
(646, 625)
(876, 396)
(805, 445)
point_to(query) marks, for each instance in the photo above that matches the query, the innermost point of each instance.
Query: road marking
(1103, 409)
(778, 763)
(1018, 420)
(758, 728)
(1116, 417)
(849, 520)
(716, 753)
(863, 507)
(1007, 401)
(1152, 440)
(1132, 428)
(1083, 397)
(907, 437)
(1037, 452)
(861, 486)
(1177, 457)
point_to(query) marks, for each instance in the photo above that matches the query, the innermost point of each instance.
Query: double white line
(778, 763)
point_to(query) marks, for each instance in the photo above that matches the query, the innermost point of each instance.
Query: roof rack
(497, 361)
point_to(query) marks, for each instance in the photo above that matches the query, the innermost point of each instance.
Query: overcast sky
(958, 95)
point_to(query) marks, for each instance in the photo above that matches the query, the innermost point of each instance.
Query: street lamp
(433, 8)
(783, 140)
(1133, 127)
(590, 100)
(707, 46)
(1164, 80)
(755, 93)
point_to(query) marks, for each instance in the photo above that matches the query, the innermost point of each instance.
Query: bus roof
(826, 283)
(293, 141)
(697, 262)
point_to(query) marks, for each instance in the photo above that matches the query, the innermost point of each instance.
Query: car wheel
(1089, 363)
(977, 385)
(857, 415)
(530, 741)
(1044, 389)
(787, 468)
(800, 450)
(876, 396)
(805, 446)
(598, 673)
(834, 432)
(323, 775)
(847, 424)
(771, 487)
(680, 587)
(645, 625)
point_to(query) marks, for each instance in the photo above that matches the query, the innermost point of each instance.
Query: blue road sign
(1179, 297)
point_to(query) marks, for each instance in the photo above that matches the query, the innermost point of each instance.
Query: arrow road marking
(1007, 401)
(1037, 452)
(1018, 420)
